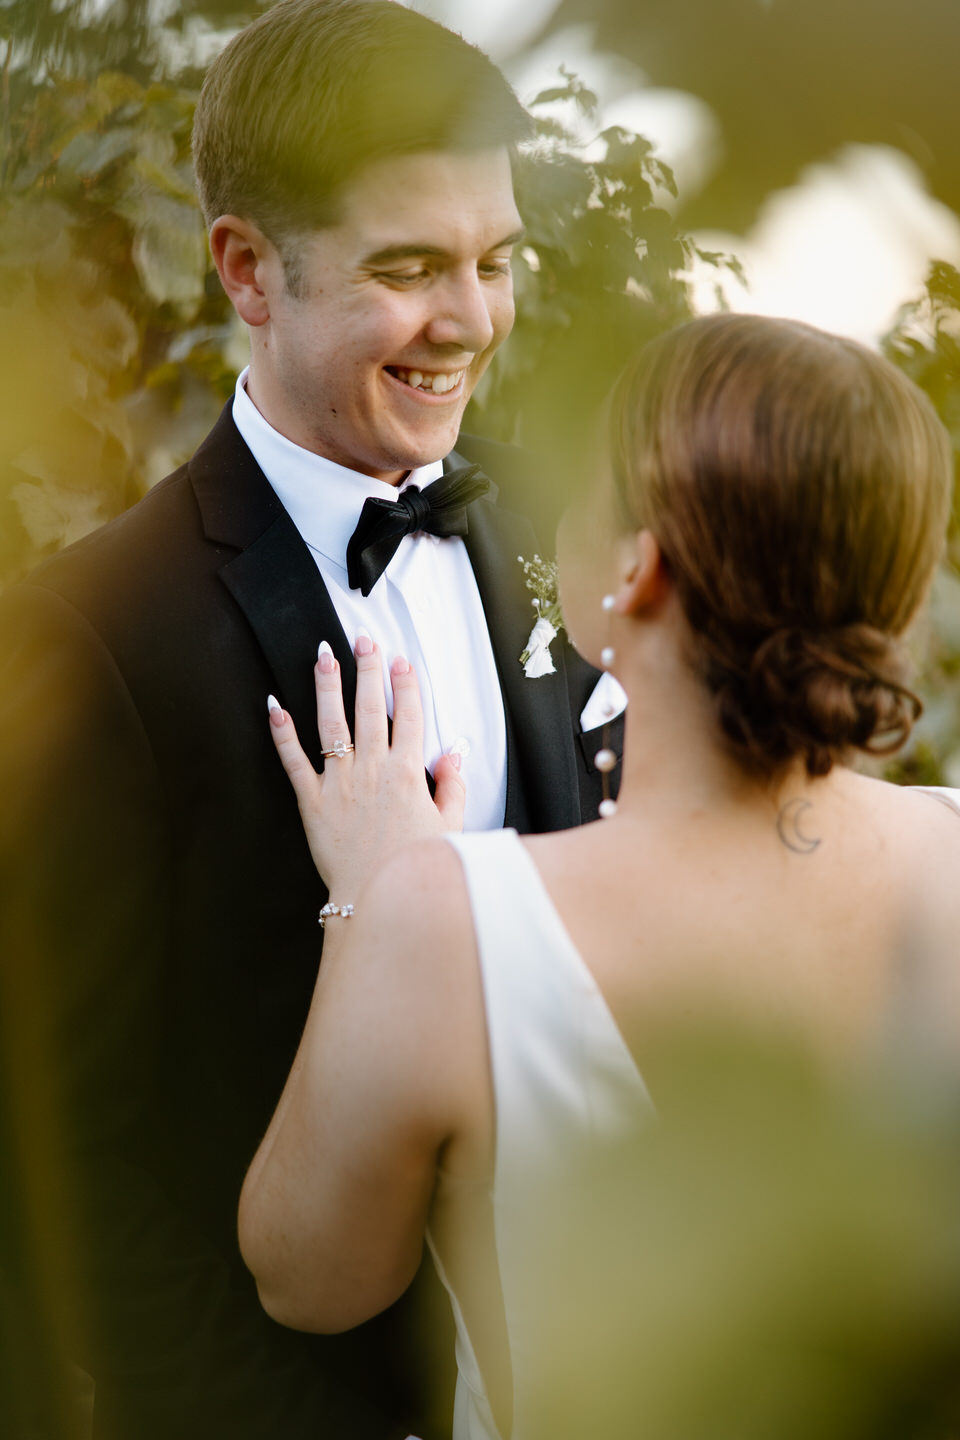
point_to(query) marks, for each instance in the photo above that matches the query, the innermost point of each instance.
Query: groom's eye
(401, 278)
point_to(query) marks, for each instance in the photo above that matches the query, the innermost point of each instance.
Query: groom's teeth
(439, 384)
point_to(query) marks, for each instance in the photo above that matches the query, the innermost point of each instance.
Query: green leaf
(89, 153)
(54, 515)
(552, 95)
(574, 90)
(664, 176)
(170, 253)
(114, 89)
(943, 284)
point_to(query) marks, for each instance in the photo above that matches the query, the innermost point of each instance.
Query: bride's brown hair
(799, 487)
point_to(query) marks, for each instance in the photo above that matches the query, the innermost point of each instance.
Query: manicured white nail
(273, 704)
(324, 648)
(363, 644)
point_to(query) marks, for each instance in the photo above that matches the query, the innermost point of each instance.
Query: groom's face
(397, 313)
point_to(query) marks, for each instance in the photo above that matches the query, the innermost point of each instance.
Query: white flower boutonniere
(540, 576)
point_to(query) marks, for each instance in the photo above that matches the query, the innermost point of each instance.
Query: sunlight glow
(843, 248)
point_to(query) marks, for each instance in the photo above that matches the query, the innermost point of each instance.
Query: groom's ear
(249, 266)
(645, 579)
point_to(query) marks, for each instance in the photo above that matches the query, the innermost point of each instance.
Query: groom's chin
(421, 439)
(425, 449)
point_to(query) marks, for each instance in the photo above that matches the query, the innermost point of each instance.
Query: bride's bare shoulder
(928, 814)
(916, 828)
(922, 829)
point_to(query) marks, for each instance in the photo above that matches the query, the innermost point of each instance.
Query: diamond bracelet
(330, 910)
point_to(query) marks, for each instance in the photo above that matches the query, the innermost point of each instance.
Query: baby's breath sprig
(540, 576)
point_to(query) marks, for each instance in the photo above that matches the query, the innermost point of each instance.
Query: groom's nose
(468, 314)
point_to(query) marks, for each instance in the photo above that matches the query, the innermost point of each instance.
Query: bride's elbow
(276, 1270)
(305, 1312)
(318, 1293)
(289, 1291)
(254, 1234)
(311, 1278)
(321, 1310)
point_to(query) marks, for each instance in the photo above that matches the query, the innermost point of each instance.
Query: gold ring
(340, 748)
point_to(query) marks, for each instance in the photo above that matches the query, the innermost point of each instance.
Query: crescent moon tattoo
(788, 827)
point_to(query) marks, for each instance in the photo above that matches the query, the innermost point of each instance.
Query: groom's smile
(394, 314)
(430, 383)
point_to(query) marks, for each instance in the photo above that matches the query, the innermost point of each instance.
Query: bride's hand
(373, 800)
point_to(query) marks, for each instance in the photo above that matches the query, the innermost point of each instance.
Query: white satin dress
(564, 1083)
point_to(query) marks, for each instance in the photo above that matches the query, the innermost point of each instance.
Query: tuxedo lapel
(542, 785)
(273, 578)
(278, 587)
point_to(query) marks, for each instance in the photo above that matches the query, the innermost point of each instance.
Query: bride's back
(774, 510)
(832, 920)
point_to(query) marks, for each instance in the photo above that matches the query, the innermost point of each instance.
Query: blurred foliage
(117, 348)
(778, 1259)
(59, 34)
(925, 343)
(790, 81)
(82, 38)
(120, 346)
(601, 271)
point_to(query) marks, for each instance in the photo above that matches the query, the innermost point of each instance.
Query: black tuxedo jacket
(160, 925)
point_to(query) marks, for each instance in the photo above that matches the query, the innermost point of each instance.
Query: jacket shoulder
(163, 534)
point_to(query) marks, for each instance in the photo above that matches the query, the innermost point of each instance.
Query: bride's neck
(674, 757)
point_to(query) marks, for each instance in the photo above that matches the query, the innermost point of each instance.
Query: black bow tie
(440, 509)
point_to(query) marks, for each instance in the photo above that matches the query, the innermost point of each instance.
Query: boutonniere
(540, 576)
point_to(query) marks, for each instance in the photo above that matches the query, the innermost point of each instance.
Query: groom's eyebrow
(391, 253)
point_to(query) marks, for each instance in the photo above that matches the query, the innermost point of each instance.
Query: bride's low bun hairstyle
(799, 487)
(813, 695)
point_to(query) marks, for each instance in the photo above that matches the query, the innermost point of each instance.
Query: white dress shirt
(425, 606)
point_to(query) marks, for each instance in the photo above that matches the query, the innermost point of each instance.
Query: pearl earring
(605, 759)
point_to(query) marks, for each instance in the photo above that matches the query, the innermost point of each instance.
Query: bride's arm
(334, 1206)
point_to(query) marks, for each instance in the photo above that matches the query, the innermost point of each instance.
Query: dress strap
(946, 796)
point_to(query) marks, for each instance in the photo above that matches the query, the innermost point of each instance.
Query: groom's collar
(323, 499)
(236, 501)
